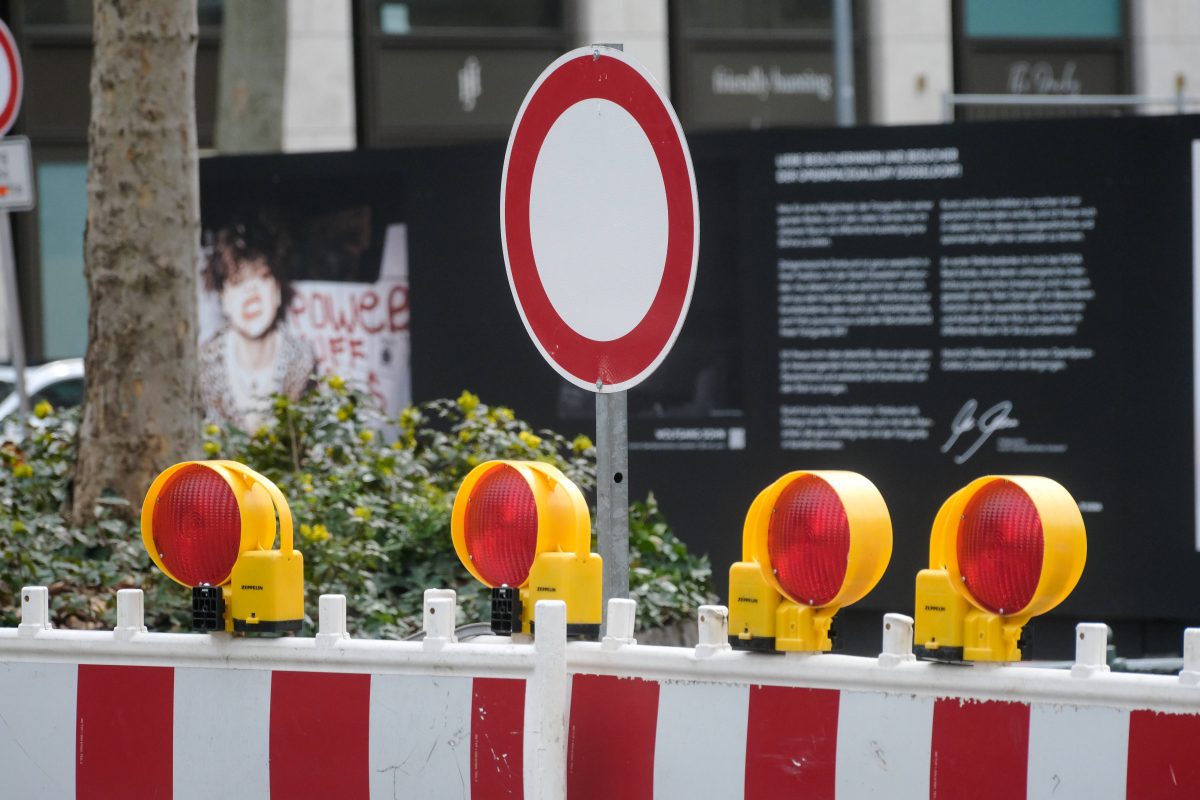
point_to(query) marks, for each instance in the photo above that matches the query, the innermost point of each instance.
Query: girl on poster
(254, 355)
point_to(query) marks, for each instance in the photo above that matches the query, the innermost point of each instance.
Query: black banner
(924, 305)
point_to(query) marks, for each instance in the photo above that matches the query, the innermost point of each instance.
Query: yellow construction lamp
(1003, 549)
(813, 542)
(211, 525)
(523, 529)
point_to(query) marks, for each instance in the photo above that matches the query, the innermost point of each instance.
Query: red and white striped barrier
(130, 713)
(635, 738)
(100, 731)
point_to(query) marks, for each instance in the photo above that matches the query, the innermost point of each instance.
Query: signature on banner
(967, 421)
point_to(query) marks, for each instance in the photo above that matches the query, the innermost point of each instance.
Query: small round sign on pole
(11, 79)
(599, 219)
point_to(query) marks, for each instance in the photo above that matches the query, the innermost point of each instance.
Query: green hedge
(371, 499)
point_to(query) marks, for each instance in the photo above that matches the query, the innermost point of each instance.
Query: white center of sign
(598, 219)
(6, 82)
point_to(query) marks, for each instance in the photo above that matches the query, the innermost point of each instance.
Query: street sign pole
(612, 492)
(16, 194)
(16, 339)
(612, 486)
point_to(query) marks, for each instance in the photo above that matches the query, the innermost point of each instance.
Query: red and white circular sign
(11, 80)
(599, 219)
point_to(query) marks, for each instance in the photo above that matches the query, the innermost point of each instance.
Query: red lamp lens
(808, 541)
(197, 526)
(501, 527)
(1000, 544)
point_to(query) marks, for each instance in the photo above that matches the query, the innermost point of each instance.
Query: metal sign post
(16, 194)
(612, 491)
(16, 339)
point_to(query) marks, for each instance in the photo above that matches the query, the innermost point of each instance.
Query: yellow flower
(581, 444)
(467, 402)
(366, 436)
(337, 382)
(472, 461)
(315, 533)
(531, 441)
(22, 471)
(211, 430)
(362, 513)
(19, 527)
(465, 435)
(343, 414)
(505, 414)
(42, 409)
(261, 433)
(211, 448)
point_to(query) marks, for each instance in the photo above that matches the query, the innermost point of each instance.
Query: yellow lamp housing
(523, 529)
(211, 525)
(813, 542)
(1003, 549)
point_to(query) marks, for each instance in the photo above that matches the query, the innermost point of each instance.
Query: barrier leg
(131, 614)
(35, 611)
(546, 706)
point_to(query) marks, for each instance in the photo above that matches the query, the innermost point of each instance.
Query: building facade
(382, 73)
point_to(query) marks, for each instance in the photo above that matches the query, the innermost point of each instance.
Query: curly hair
(237, 242)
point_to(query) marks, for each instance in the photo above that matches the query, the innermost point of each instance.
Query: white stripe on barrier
(222, 729)
(700, 740)
(883, 746)
(1077, 752)
(420, 734)
(37, 730)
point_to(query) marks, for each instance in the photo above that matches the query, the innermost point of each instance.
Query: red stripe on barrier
(610, 742)
(1162, 756)
(497, 738)
(791, 742)
(123, 734)
(320, 732)
(979, 749)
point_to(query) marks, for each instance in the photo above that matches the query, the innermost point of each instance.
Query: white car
(58, 382)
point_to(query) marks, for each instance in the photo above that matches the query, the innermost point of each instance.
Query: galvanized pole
(612, 484)
(612, 491)
(843, 60)
(16, 338)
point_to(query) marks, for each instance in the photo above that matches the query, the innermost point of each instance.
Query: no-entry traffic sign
(11, 79)
(599, 219)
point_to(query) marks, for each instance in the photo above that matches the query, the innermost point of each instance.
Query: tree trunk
(142, 244)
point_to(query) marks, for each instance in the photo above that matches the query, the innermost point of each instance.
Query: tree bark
(141, 248)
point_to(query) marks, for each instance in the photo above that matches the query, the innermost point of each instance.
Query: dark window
(765, 15)
(79, 12)
(1030, 47)
(435, 71)
(758, 63)
(420, 15)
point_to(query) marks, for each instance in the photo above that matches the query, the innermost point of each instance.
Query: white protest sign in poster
(360, 330)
